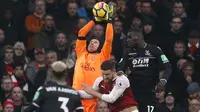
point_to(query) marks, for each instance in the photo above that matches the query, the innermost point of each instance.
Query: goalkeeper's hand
(108, 15)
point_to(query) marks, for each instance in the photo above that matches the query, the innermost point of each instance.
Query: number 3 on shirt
(150, 108)
(64, 103)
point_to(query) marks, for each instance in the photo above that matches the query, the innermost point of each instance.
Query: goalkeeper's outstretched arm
(107, 47)
(81, 41)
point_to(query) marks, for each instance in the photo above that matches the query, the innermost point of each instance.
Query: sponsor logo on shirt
(140, 62)
(87, 67)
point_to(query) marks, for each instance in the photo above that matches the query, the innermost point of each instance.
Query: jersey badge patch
(164, 58)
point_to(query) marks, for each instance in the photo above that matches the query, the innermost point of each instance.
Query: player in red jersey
(111, 88)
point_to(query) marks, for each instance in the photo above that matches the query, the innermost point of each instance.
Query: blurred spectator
(193, 91)
(20, 54)
(116, 10)
(181, 63)
(160, 96)
(150, 34)
(8, 106)
(176, 80)
(194, 105)
(62, 46)
(193, 48)
(147, 11)
(2, 36)
(138, 6)
(44, 74)
(70, 62)
(179, 10)
(102, 107)
(33, 68)
(82, 21)
(86, 9)
(69, 19)
(52, 7)
(169, 105)
(1, 107)
(119, 40)
(47, 34)
(193, 44)
(51, 56)
(189, 73)
(35, 22)
(8, 52)
(176, 24)
(14, 31)
(2, 62)
(19, 78)
(176, 32)
(18, 99)
(113, 59)
(99, 31)
(136, 21)
(6, 88)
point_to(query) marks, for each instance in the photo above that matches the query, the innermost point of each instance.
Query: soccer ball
(100, 9)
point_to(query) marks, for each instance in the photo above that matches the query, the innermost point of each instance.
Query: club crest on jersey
(93, 58)
(147, 53)
(102, 86)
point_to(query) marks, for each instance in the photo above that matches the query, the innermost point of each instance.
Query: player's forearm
(167, 72)
(113, 96)
(96, 94)
(84, 95)
(109, 33)
(86, 29)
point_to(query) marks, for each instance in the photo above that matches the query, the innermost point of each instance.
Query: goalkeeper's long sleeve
(81, 41)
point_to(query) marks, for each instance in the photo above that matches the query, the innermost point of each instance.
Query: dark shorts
(146, 101)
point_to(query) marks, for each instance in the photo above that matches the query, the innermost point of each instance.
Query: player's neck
(61, 82)
(142, 45)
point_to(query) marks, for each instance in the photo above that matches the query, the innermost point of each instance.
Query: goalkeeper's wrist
(109, 20)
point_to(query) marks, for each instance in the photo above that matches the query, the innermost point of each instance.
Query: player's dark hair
(136, 31)
(108, 65)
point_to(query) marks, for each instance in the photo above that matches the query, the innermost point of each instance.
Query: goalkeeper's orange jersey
(88, 65)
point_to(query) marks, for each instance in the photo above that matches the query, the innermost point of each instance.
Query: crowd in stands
(36, 33)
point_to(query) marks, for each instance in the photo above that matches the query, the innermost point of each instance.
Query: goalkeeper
(89, 59)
